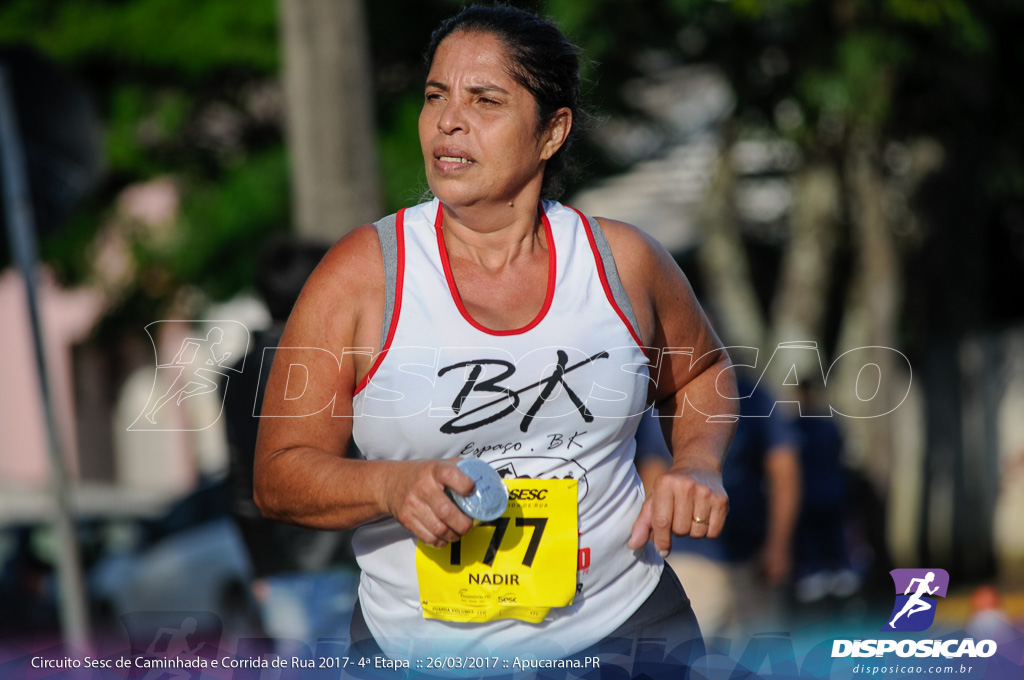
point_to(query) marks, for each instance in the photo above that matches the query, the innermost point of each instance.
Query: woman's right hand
(301, 474)
(415, 496)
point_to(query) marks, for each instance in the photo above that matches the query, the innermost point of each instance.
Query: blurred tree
(330, 116)
(188, 95)
(196, 170)
(906, 225)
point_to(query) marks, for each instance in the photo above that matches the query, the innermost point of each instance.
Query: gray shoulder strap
(388, 236)
(612, 274)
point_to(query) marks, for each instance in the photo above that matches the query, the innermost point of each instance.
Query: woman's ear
(559, 126)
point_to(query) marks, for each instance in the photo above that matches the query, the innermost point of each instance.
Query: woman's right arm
(301, 472)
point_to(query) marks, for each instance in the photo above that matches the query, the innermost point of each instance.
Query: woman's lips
(452, 160)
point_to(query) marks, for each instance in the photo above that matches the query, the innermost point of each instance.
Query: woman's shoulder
(346, 288)
(627, 242)
(354, 261)
(649, 274)
(637, 254)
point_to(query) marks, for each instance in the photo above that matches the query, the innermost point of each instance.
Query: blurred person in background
(742, 573)
(304, 580)
(27, 587)
(822, 566)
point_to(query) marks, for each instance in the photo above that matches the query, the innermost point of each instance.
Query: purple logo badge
(916, 590)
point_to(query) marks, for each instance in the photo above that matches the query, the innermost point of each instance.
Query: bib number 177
(500, 528)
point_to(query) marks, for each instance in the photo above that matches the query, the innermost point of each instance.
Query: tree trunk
(799, 304)
(724, 265)
(329, 105)
(874, 301)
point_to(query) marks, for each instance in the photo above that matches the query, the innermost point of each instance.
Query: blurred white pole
(21, 236)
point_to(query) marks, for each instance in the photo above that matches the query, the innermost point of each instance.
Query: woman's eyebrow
(473, 89)
(486, 89)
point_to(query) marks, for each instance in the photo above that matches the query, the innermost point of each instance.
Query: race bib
(518, 566)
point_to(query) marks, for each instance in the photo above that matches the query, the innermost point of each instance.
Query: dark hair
(541, 59)
(284, 265)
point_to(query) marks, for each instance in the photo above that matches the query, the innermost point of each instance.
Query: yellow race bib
(518, 566)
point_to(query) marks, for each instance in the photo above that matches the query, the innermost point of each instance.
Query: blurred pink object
(154, 203)
(987, 620)
(67, 317)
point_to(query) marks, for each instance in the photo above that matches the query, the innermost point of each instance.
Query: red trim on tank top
(399, 279)
(453, 289)
(604, 280)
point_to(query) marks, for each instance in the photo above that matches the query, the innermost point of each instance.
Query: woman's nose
(452, 118)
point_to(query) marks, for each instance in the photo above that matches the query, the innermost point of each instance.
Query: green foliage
(859, 85)
(225, 224)
(581, 22)
(194, 40)
(835, 75)
(157, 69)
(127, 107)
(401, 161)
(953, 17)
(760, 9)
(143, 123)
(67, 252)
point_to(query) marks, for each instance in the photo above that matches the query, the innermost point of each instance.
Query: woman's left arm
(691, 383)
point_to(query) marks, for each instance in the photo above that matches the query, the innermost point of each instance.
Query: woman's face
(478, 126)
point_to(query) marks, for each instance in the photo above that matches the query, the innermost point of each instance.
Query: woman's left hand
(687, 362)
(683, 502)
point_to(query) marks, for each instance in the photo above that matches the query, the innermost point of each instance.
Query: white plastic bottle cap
(489, 498)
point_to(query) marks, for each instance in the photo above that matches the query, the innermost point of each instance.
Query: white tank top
(440, 389)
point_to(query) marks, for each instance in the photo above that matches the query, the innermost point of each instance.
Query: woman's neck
(493, 236)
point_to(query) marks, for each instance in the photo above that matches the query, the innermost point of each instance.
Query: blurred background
(835, 174)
